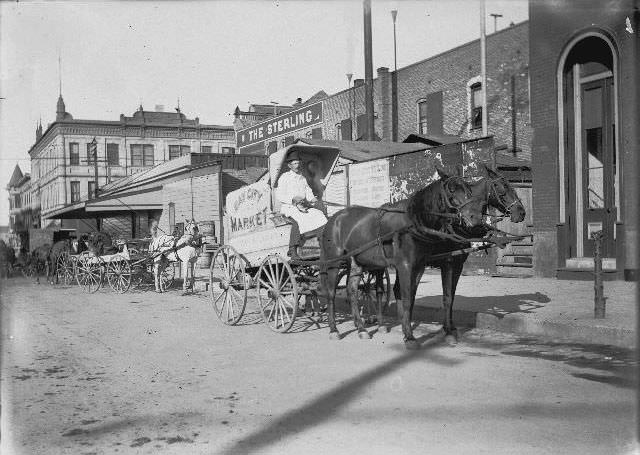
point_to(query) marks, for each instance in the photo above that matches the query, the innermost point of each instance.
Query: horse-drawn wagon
(254, 261)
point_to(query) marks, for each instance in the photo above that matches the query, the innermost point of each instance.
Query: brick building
(584, 58)
(439, 97)
(23, 211)
(62, 158)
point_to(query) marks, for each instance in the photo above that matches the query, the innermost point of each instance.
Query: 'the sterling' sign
(278, 126)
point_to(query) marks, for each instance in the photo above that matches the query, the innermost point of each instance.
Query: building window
(91, 153)
(475, 105)
(91, 190)
(422, 117)
(141, 155)
(205, 149)
(74, 154)
(338, 132)
(229, 150)
(75, 192)
(178, 150)
(113, 155)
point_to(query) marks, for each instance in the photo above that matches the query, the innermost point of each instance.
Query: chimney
(298, 101)
(159, 108)
(358, 82)
(384, 104)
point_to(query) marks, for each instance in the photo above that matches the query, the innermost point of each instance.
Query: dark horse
(401, 235)
(58, 249)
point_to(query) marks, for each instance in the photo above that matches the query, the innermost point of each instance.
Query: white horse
(160, 246)
(188, 248)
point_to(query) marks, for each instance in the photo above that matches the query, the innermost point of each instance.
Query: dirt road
(142, 373)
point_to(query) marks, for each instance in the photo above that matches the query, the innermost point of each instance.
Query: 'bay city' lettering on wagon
(283, 124)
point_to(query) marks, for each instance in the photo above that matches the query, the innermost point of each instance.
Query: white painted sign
(248, 208)
(369, 183)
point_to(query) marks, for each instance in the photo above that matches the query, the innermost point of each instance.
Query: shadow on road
(498, 305)
(323, 407)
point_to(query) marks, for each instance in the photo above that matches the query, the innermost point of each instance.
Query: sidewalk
(534, 306)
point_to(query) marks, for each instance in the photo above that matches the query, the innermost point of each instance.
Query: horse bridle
(506, 209)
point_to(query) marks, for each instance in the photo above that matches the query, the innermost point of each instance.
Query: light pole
(349, 76)
(495, 21)
(394, 14)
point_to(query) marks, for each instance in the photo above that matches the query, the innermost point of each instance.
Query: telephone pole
(368, 71)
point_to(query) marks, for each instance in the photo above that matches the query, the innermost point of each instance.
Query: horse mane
(422, 204)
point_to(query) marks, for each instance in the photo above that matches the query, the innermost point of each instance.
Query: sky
(211, 55)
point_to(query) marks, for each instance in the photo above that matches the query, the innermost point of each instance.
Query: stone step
(514, 271)
(522, 250)
(516, 259)
(588, 263)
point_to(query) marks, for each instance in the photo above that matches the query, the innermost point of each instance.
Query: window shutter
(361, 122)
(316, 133)
(434, 113)
(272, 147)
(345, 128)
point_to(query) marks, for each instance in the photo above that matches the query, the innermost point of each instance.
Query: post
(94, 149)
(483, 67)
(599, 300)
(349, 76)
(368, 71)
(394, 83)
(514, 136)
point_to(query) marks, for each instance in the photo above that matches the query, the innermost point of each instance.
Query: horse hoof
(411, 345)
(334, 335)
(364, 335)
(451, 340)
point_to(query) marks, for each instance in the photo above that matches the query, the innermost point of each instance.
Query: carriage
(130, 266)
(254, 261)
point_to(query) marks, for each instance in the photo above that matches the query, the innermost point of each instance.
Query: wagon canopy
(317, 161)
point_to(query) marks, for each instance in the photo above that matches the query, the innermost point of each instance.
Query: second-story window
(476, 105)
(91, 153)
(422, 117)
(205, 149)
(228, 150)
(141, 155)
(75, 191)
(178, 150)
(74, 154)
(338, 132)
(91, 190)
(113, 155)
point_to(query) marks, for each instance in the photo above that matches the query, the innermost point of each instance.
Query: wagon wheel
(89, 272)
(367, 298)
(65, 268)
(228, 283)
(28, 271)
(168, 275)
(277, 293)
(119, 274)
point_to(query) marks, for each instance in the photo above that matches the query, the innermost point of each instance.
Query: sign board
(248, 208)
(280, 125)
(369, 183)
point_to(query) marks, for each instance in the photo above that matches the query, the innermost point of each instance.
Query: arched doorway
(589, 179)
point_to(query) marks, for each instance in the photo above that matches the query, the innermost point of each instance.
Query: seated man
(297, 199)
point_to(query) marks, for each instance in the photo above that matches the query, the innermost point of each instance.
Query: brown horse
(500, 196)
(413, 230)
(58, 249)
(39, 260)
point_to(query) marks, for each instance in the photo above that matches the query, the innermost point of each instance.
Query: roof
(16, 177)
(511, 161)
(432, 139)
(366, 150)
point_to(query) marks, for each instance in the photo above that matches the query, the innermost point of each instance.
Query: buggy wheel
(367, 298)
(168, 275)
(277, 293)
(65, 268)
(228, 283)
(119, 274)
(89, 272)
(28, 271)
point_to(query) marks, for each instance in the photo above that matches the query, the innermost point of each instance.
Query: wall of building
(552, 26)
(196, 196)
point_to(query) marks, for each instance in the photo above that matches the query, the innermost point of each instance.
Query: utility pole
(349, 76)
(495, 21)
(483, 67)
(368, 71)
(394, 82)
(94, 154)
